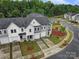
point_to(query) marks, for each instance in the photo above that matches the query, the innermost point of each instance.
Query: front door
(21, 37)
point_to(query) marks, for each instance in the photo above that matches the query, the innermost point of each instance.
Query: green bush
(62, 29)
(55, 39)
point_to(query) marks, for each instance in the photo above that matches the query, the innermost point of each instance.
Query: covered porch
(22, 36)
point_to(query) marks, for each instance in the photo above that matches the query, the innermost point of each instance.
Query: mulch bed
(58, 33)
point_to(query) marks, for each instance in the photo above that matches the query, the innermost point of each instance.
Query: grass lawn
(55, 39)
(29, 47)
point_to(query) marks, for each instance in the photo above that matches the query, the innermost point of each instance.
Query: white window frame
(0, 32)
(5, 32)
(13, 30)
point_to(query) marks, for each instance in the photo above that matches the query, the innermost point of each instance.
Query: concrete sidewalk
(51, 51)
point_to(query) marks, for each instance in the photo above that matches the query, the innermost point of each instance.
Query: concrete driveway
(41, 44)
(48, 42)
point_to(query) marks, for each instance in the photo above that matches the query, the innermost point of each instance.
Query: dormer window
(11, 31)
(5, 31)
(41, 27)
(35, 29)
(14, 30)
(22, 29)
(38, 29)
(29, 30)
(0, 32)
(33, 22)
(44, 27)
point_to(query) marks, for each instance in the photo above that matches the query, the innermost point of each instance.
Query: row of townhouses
(72, 16)
(32, 27)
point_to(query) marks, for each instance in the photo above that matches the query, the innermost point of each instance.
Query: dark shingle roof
(23, 22)
(71, 14)
(5, 22)
(35, 15)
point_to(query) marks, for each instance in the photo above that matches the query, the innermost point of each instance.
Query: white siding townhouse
(72, 17)
(69, 16)
(32, 27)
(76, 18)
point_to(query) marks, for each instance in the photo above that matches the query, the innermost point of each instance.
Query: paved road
(72, 50)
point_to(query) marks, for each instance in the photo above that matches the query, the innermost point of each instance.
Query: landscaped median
(63, 40)
(58, 33)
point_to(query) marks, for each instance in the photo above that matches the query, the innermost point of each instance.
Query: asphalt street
(72, 50)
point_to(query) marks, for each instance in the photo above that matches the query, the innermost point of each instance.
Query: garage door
(43, 34)
(4, 40)
(37, 36)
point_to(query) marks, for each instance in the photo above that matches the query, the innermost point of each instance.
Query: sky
(72, 2)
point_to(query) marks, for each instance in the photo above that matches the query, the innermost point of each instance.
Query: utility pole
(11, 56)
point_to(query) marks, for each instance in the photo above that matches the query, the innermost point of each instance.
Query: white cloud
(76, 2)
(60, 2)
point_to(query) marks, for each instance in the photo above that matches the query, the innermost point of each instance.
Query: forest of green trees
(9, 8)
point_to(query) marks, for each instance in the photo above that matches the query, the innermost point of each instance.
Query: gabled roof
(71, 14)
(24, 21)
(35, 15)
(5, 22)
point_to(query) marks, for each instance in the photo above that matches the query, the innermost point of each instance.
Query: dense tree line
(9, 8)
